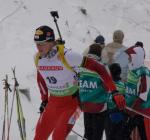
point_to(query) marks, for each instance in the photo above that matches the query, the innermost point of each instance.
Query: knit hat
(138, 43)
(95, 49)
(44, 34)
(100, 39)
(118, 36)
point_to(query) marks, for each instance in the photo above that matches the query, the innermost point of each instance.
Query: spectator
(99, 40)
(114, 53)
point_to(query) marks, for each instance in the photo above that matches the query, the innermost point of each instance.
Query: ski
(137, 112)
(6, 109)
(21, 118)
(83, 138)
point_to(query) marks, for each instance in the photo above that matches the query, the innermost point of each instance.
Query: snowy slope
(80, 22)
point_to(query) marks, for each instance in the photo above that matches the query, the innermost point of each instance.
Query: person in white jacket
(114, 53)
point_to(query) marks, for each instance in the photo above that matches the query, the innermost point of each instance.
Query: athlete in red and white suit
(61, 111)
(60, 83)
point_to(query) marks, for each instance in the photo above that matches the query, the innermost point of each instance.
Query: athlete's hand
(43, 105)
(120, 101)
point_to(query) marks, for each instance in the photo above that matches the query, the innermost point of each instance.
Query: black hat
(44, 34)
(138, 43)
(100, 39)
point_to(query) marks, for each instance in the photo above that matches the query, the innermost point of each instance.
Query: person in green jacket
(116, 118)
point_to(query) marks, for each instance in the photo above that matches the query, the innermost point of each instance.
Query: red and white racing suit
(62, 109)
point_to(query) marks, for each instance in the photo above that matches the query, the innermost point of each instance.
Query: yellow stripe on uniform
(36, 59)
(62, 57)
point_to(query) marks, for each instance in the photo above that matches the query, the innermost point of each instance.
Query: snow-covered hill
(80, 22)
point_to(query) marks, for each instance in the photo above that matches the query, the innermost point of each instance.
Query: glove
(120, 101)
(116, 116)
(43, 105)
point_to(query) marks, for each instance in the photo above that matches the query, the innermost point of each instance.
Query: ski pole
(83, 138)
(137, 112)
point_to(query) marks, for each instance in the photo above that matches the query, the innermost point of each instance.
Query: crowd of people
(58, 72)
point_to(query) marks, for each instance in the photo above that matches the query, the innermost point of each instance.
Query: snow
(20, 18)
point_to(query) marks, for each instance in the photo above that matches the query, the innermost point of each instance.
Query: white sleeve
(122, 58)
(73, 59)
